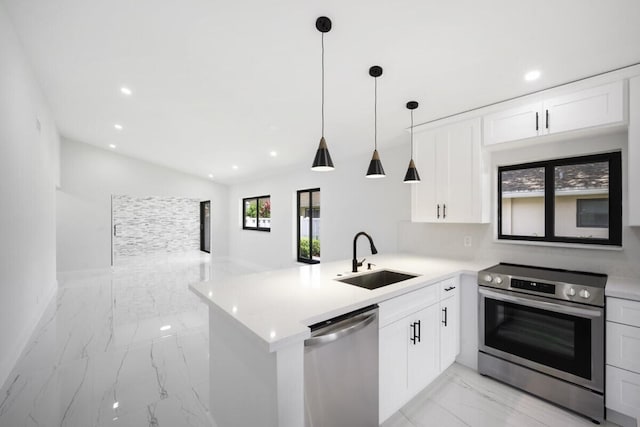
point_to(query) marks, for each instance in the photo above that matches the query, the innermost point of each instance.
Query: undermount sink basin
(377, 279)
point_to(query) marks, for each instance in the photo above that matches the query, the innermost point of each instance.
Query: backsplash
(447, 241)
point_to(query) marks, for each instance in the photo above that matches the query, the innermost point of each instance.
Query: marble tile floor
(129, 347)
(461, 397)
(126, 346)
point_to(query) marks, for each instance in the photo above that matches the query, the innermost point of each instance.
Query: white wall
(527, 216)
(90, 175)
(27, 190)
(447, 239)
(349, 203)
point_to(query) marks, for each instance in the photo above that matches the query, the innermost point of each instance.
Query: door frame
(203, 204)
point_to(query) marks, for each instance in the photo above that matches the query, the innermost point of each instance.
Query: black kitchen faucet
(354, 263)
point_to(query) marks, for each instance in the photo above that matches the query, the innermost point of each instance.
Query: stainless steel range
(542, 330)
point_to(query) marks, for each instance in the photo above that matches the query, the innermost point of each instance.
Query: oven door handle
(558, 308)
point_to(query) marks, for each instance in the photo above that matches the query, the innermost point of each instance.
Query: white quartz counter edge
(279, 306)
(623, 287)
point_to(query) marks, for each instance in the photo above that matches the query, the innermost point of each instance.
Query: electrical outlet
(467, 241)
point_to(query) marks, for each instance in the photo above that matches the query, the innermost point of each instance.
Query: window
(308, 208)
(256, 213)
(592, 213)
(574, 200)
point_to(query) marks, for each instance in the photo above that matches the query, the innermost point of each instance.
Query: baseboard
(621, 419)
(69, 276)
(24, 336)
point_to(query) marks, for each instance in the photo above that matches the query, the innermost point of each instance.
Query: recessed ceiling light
(234, 167)
(211, 175)
(118, 126)
(532, 75)
(165, 328)
(273, 153)
(112, 146)
(116, 405)
(125, 91)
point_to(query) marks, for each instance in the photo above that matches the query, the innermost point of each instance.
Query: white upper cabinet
(598, 106)
(425, 194)
(454, 181)
(512, 124)
(634, 151)
(587, 108)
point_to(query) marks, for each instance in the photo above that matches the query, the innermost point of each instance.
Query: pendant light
(375, 166)
(412, 173)
(322, 162)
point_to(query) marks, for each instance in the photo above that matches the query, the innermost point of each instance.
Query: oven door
(561, 339)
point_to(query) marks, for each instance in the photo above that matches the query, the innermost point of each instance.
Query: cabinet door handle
(438, 210)
(413, 333)
(114, 230)
(418, 322)
(546, 119)
(444, 310)
(444, 211)
(450, 288)
(536, 120)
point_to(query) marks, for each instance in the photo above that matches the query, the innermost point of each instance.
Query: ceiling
(222, 83)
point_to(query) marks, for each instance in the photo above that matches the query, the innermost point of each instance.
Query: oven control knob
(585, 293)
(497, 280)
(488, 278)
(571, 292)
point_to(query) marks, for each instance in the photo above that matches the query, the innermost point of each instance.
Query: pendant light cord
(375, 113)
(322, 42)
(411, 134)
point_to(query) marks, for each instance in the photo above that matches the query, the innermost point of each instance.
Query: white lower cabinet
(449, 325)
(623, 357)
(393, 367)
(417, 347)
(423, 361)
(623, 391)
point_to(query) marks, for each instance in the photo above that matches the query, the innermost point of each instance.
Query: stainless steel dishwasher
(341, 371)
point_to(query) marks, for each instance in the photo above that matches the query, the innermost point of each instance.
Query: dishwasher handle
(350, 326)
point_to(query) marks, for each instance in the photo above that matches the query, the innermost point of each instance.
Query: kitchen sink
(377, 279)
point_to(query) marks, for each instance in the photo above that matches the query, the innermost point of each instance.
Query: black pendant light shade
(412, 175)
(322, 162)
(375, 166)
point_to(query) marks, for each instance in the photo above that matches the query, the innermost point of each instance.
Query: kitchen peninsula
(258, 324)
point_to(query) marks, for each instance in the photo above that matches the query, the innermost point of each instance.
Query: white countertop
(623, 287)
(279, 306)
